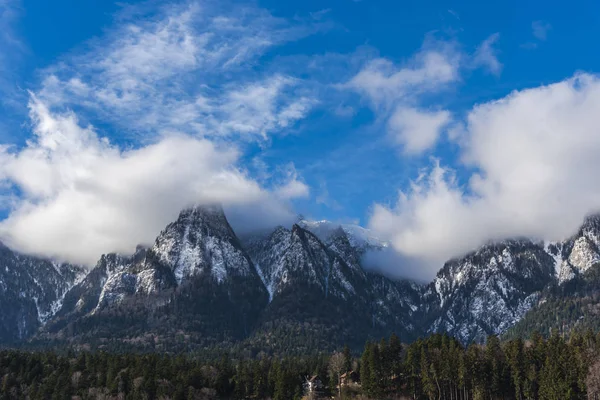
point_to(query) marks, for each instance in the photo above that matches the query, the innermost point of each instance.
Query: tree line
(437, 367)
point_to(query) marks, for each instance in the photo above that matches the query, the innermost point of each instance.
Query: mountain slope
(578, 253)
(31, 291)
(319, 291)
(572, 305)
(489, 290)
(194, 286)
(359, 237)
(303, 289)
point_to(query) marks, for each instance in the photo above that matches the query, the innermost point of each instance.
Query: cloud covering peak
(534, 163)
(82, 196)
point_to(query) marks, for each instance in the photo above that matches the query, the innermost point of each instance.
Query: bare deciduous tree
(336, 369)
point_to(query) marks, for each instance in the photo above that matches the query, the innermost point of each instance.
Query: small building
(349, 378)
(313, 387)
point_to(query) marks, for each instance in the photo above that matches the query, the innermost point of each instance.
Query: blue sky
(392, 115)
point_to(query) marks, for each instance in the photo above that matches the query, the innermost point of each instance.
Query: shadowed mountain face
(293, 290)
(31, 291)
(198, 286)
(321, 290)
(577, 254)
(194, 286)
(572, 303)
(488, 290)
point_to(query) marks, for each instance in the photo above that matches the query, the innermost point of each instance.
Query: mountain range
(297, 290)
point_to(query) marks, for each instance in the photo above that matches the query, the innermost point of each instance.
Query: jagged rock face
(397, 304)
(393, 303)
(195, 271)
(341, 245)
(288, 257)
(200, 244)
(320, 286)
(198, 280)
(201, 241)
(31, 291)
(489, 290)
(112, 280)
(360, 238)
(581, 251)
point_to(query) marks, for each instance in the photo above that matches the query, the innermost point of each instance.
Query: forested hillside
(571, 306)
(437, 367)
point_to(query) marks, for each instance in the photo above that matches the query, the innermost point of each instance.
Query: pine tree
(516, 360)
(427, 379)
(395, 356)
(384, 365)
(347, 359)
(412, 366)
(282, 389)
(366, 368)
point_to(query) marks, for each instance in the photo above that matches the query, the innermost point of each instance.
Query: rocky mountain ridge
(578, 253)
(200, 285)
(31, 292)
(489, 290)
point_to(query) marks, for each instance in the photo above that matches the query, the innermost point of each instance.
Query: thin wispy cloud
(190, 69)
(454, 14)
(540, 30)
(11, 50)
(486, 55)
(395, 92)
(324, 198)
(417, 130)
(9, 13)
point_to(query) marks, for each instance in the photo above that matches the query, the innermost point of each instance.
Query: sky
(439, 125)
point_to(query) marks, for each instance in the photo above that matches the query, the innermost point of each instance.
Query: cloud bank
(81, 196)
(535, 159)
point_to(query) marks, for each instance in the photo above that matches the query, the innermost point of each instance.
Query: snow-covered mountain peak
(579, 252)
(488, 290)
(201, 241)
(211, 218)
(358, 236)
(31, 291)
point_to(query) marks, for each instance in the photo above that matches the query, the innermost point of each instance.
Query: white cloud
(385, 84)
(395, 93)
(540, 29)
(324, 198)
(487, 56)
(536, 156)
(291, 186)
(83, 196)
(257, 108)
(417, 130)
(186, 68)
